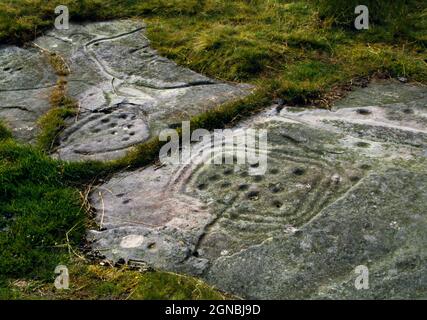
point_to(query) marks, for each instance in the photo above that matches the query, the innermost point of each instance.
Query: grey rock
(343, 188)
(26, 79)
(114, 72)
(322, 263)
(113, 67)
(106, 135)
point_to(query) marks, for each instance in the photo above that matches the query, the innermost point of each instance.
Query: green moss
(170, 286)
(4, 132)
(37, 209)
(294, 50)
(51, 125)
(90, 282)
(53, 122)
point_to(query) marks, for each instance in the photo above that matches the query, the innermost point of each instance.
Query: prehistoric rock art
(125, 91)
(344, 188)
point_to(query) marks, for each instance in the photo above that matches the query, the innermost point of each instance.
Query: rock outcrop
(343, 188)
(125, 91)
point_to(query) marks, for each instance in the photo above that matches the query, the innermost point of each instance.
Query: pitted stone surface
(106, 134)
(371, 226)
(114, 69)
(26, 79)
(343, 188)
(113, 72)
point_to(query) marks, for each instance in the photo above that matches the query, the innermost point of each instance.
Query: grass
(42, 225)
(264, 40)
(92, 282)
(37, 209)
(4, 132)
(302, 52)
(53, 122)
(290, 50)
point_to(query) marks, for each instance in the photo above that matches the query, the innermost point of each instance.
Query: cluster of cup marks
(217, 178)
(110, 125)
(230, 184)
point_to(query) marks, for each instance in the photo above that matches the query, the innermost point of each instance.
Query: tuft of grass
(37, 209)
(4, 132)
(59, 65)
(62, 106)
(53, 122)
(172, 286)
(297, 51)
(92, 282)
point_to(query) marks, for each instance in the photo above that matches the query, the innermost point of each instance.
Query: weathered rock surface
(126, 92)
(343, 188)
(26, 79)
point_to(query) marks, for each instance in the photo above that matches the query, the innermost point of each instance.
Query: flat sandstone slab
(26, 79)
(125, 91)
(343, 188)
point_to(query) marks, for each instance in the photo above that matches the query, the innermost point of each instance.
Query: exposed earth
(344, 187)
